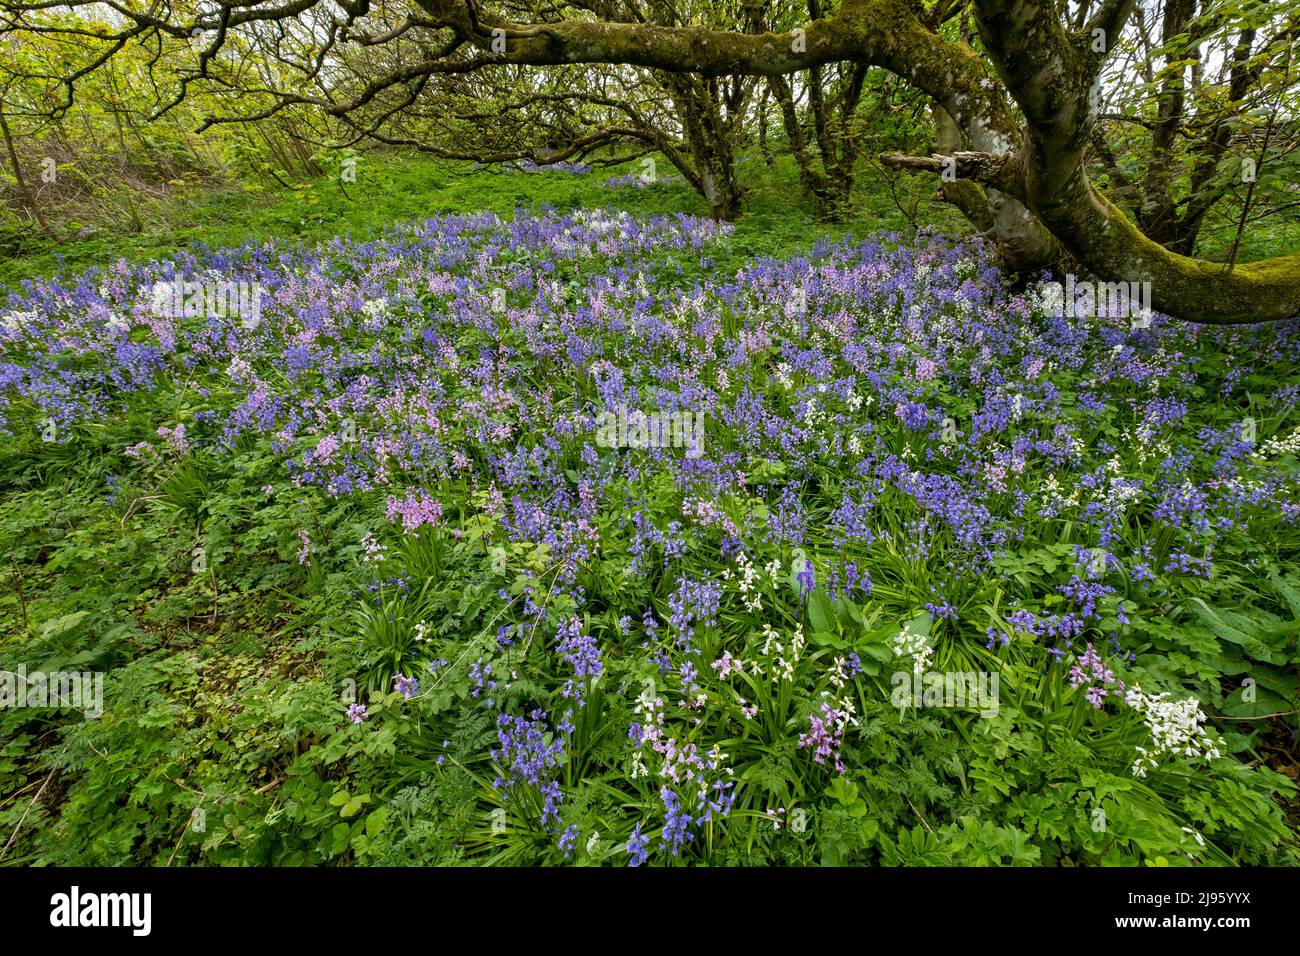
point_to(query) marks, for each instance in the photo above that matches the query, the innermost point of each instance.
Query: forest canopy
(1097, 135)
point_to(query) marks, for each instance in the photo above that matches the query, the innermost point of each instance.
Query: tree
(1197, 111)
(1030, 160)
(555, 114)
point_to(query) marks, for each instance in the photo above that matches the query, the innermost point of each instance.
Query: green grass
(394, 186)
(391, 187)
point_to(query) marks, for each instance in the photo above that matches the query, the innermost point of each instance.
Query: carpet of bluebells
(368, 588)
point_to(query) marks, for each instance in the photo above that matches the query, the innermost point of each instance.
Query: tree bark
(1049, 72)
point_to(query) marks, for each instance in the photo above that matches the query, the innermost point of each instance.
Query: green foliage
(228, 741)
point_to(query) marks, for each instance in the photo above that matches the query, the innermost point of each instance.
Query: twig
(993, 169)
(185, 829)
(274, 783)
(918, 814)
(22, 600)
(14, 836)
(1285, 713)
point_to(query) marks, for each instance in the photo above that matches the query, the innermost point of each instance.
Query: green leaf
(879, 652)
(63, 624)
(376, 822)
(827, 639)
(797, 563)
(1237, 629)
(1286, 589)
(843, 790)
(340, 835)
(821, 612)
(921, 624)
